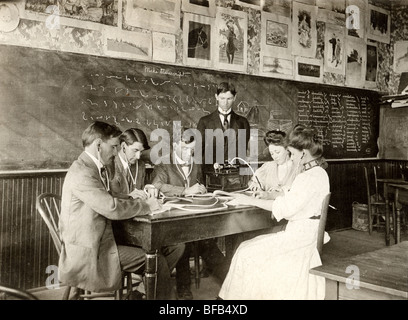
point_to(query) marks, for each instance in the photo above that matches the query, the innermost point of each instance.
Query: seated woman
(276, 266)
(274, 176)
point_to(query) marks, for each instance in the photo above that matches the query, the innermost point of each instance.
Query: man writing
(90, 258)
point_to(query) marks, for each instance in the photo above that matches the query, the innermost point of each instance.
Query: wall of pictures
(337, 42)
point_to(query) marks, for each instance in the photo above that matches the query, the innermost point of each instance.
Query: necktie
(225, 122)
(104, 177)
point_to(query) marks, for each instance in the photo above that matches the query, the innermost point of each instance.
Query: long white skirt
(276, 266)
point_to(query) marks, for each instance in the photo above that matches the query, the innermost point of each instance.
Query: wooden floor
(342, 244)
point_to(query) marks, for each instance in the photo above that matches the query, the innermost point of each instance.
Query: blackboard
(47, 99)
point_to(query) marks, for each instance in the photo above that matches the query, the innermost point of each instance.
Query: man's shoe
(184, 293)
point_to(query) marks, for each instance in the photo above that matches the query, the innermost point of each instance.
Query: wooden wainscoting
(26, 247)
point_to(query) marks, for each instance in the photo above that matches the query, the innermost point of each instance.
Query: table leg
(387, 216)
(398, 214)
(151, 275)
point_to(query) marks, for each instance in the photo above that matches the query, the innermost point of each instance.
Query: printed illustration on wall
(105, 12)
(334, 49)
(231, 39)
(164, 47)
(128, 44)
(198, 39)
(371, 65)
(379, 24)
(304, 33)
(276, 67)
(355, 62)
(401, 56)
(254, 4)
(356, 11)
(204, 7)
(157, 15)
(308, 69)
(332, 5)
(278, 7)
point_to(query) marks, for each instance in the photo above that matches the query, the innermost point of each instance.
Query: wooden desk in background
(387, 191)
(383, 275)
(179, 226)
(400, 198)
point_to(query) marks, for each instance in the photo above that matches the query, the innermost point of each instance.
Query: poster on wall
(334, 49)
(164, 47)
(276, 35)
(254, 4)
(204, 7)
(332, 5)
(231, 40)
(198, 39)
(355, 62)
(401, 56)
(308, 69)
(277, 67)
(128, 44)
(304, 35)
(157, 15)
(356, 11)
(105, 12)
(371, 65)
(278, 7)
(379, 24)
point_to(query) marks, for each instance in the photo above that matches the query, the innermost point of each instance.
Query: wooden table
(400, 198)
(152, 232)
(382, 275)
(387, 191)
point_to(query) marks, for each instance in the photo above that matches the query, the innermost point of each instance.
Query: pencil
(260, 185)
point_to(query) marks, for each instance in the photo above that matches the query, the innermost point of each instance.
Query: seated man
(90, 258)
(184, 177)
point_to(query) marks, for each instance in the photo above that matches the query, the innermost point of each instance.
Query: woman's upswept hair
(99, 130)
(276, 137)
(303, 137)
(132, 135)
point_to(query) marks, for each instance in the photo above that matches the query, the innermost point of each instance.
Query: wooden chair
(375, 205)
(9, 293)
(322, 223)
(48, 205)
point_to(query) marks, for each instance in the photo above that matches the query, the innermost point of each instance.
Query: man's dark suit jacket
(213, 121)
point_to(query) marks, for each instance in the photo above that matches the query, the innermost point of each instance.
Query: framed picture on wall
(231, 40)
(355, 62)
(308, 69)
(304, 35)
(204, 7)
(157, 15)
(371, 65)
(378, 24)
(164, 47)
(198, 39)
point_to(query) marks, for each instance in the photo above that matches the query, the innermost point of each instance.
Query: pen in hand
(259, 183)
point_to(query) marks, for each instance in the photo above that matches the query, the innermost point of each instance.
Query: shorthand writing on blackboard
(344, 121)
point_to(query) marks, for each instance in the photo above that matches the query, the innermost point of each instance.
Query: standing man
(90, 258)
(184, 177)
(235, 129)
